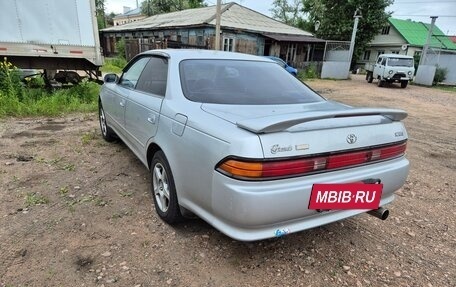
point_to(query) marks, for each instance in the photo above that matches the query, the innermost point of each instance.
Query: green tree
(153, 7)
(336, 20)
(100, 12)
(288, 12)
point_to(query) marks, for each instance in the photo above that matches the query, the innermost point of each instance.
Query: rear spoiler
(278, 123)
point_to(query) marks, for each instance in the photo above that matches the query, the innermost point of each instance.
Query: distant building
(242, 30)
(129, 15)
(405, 37)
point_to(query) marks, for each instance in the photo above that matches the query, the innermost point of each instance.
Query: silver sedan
(238, 141)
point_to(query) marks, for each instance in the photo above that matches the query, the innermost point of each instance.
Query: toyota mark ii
(239, 142)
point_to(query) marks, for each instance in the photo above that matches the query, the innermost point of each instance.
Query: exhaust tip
(381, 213)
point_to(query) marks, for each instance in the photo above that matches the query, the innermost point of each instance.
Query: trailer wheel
(404, 84)
(369, 77)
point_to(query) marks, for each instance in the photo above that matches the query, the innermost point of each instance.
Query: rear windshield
(400, 62)
(242, 83)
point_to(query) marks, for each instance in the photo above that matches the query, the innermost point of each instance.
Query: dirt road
(75, 211)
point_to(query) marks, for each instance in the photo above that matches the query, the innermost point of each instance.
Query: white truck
(391, 68)
(58, 37)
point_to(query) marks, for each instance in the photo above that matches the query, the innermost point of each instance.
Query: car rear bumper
(256, 210)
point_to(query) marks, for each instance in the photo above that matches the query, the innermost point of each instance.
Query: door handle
(151, 119)
(122, 103)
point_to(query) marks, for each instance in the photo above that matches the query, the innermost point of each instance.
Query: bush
(440, 75)
(120, 48)
(19, 100)
(309, 72)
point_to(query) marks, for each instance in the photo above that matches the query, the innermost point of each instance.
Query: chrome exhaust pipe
(381, 213)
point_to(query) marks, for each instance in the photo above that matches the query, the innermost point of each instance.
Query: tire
(163, 190)
(404, 84)
(108, 134)
(369, 77)
(380, 83)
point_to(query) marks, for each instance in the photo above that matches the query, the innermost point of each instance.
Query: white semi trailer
(59, 37)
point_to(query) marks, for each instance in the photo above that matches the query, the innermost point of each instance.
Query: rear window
(242, 83)
(400, 62)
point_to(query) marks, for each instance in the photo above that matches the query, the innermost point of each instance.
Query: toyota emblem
(351, 138)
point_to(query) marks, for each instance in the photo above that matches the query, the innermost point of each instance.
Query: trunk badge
(351, 138)
(302, 147)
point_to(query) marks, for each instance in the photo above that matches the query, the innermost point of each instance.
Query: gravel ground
(75, 211)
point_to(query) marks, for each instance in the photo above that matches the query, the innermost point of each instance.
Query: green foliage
(309, 72)
(100, 12)
(288, 13)
(114, 65)
(336, 20)
(10, 82)
(33, 198)
(17, 99)
(440, 75)
(120, 48)
(154, 7)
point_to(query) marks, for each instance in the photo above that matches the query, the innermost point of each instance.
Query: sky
(417, 10)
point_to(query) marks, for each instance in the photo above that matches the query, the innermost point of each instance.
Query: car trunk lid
(300, 130)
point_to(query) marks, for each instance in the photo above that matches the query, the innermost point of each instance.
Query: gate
(336, 60)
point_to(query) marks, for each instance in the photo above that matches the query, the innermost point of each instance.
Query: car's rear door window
(242, 83)
(154, 77)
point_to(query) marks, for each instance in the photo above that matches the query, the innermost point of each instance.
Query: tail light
(272, 169)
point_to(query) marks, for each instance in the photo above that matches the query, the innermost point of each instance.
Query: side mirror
(110, 78)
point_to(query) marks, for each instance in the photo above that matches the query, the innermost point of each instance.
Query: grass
(114, 65)
(33, 99)
(40, 102)
(33, 198)
(87, 137)
(445, 88)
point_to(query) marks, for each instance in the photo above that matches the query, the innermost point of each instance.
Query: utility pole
(353, 38)
(217, 25)
(428, 41)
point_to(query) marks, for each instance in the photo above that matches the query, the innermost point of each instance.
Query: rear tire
(163, 190)
(404, 84)
(380, 83)
(369, 77)
(108, 134)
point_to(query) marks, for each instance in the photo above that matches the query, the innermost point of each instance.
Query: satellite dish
(404, 47)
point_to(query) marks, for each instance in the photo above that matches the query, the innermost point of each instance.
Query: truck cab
(391, 68)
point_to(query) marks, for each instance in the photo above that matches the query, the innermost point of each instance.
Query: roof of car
(183, 54)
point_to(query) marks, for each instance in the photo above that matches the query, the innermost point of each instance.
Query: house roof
(233, 16)
(415, 33)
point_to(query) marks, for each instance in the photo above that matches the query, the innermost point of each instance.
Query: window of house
(367, 55)
(380, 53)
(228, 44)
(386, 30)
(395, 52)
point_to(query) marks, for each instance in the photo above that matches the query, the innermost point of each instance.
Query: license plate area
(365, 194)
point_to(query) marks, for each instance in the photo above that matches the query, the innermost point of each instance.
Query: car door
(378, 68)
(120, 92)
(144, 103)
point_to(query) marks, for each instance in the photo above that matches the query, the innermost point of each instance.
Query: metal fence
(436, 58)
